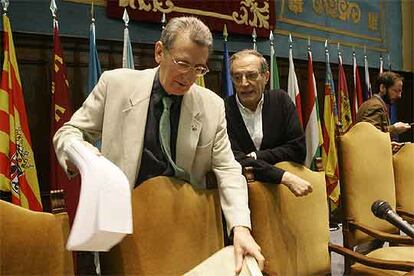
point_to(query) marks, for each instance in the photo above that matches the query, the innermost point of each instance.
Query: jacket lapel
(135, 118)
(189, 130)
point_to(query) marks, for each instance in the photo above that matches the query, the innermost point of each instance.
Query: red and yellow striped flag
(17, 166)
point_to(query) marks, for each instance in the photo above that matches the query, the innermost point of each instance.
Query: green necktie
(165, 137)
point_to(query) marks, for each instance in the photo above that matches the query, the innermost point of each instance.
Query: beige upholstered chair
(33, 243)
(366, 169)
(403, 162)
(175, 228)
(293, 232)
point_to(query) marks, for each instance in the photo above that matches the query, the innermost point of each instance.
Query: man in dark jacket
(263, 126)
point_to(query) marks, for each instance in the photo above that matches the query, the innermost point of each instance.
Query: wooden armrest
(405, 213)
(393, 238)
(372, 262)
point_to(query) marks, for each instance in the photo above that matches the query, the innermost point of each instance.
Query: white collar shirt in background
(253, 121)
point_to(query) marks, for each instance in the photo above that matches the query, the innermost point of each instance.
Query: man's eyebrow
(247, 71)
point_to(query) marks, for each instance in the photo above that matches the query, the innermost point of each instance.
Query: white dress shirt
(253, 121)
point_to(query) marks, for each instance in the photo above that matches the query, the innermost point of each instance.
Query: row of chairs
(370, 172)
(175, 228)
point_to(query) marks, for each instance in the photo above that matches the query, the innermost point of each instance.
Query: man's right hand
(297, 185)
(401, 127)
(71, 168)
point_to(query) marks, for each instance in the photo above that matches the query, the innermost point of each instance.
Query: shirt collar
(259, 105)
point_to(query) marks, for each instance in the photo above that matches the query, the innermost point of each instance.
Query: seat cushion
(400, 253)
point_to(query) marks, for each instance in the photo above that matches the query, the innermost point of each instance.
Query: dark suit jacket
(283, 137)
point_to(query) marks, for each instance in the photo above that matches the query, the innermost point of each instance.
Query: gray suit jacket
(116, 112)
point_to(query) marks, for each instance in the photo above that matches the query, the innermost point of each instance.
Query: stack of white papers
(104, 214)
(223, 263)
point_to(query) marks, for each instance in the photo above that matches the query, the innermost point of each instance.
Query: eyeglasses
(185, 67)
(250, 76)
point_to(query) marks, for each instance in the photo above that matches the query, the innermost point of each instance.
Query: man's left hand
(244, 244)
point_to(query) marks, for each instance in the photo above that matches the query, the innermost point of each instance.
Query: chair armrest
(393, 238)
(408, 215)
(372, 262)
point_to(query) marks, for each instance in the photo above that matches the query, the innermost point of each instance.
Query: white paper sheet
(104, 214)
(223, 263)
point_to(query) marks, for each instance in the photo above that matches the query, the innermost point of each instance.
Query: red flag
(344, 106)
(357, 99)
(61, 112)
(17, 165)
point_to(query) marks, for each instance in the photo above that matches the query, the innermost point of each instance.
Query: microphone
(383, 210)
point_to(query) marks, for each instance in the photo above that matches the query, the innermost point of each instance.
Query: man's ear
(267, 75)
(158, 53)
(382, 89)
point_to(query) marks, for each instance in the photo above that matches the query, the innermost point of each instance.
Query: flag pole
(225, 33)
(226, 83)
(389, 61)
(127, 53)
(272, 54)
(5, 4)
(125, 18)
(381, 66)
(53, 8)
(254, 36)
(163, 21)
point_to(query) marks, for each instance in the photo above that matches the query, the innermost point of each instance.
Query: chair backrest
(403, 162)
(33, 243)
(293, 232)
(366, 170)
(175, 228)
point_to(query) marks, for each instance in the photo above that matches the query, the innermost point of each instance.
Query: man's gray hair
(246, 52)
(197, 31)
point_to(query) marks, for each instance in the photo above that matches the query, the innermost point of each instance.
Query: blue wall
(34, 17)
